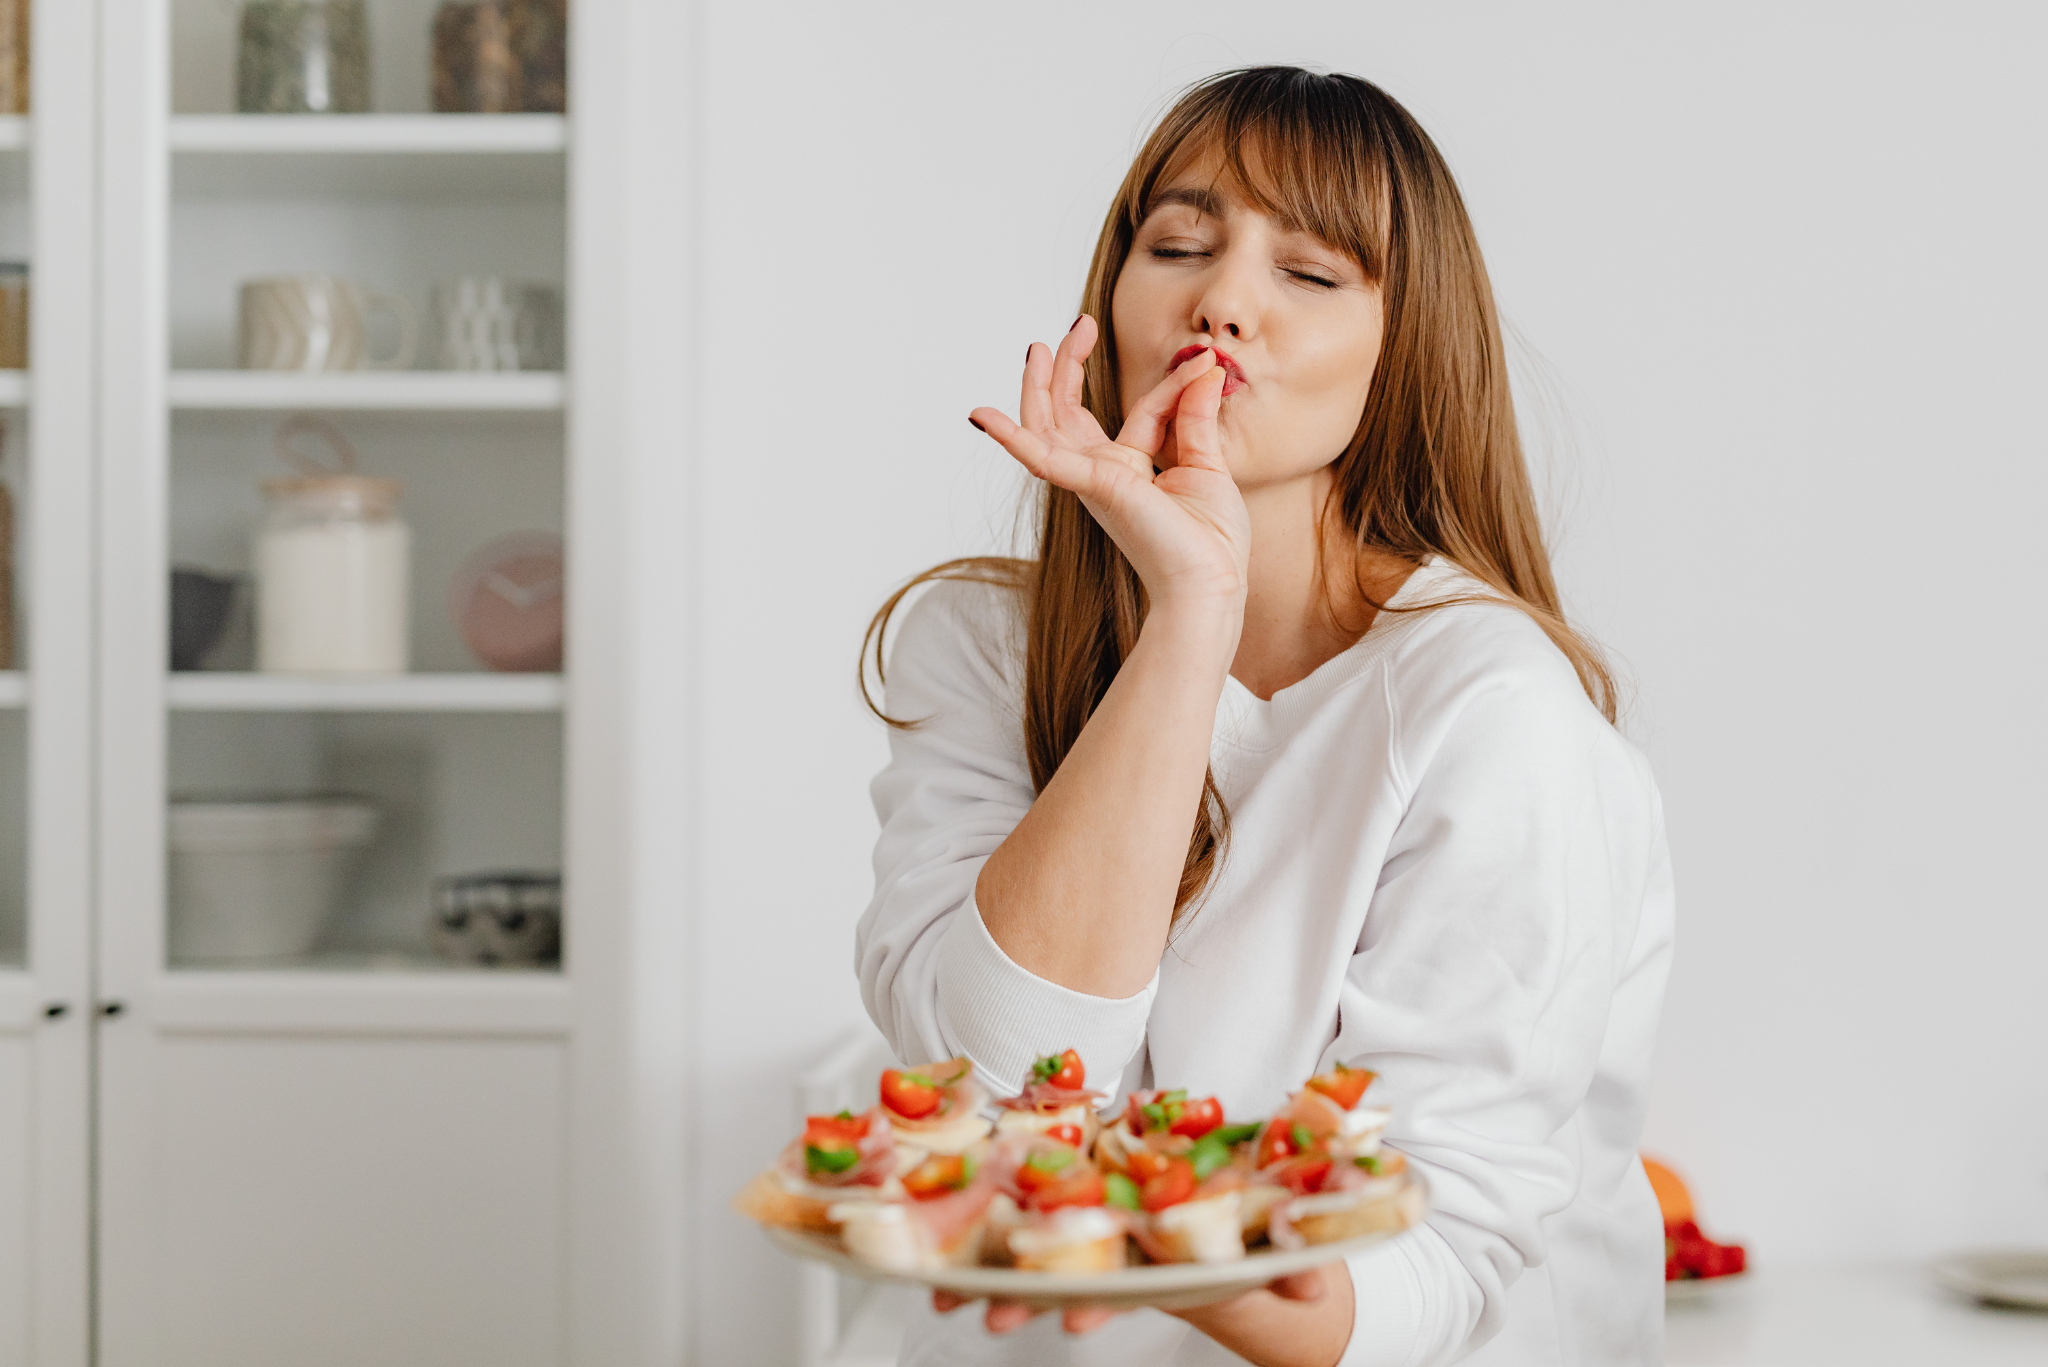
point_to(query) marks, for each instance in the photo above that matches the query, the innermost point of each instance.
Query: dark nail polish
(1077, 322)
(976, 426)
(1027, 355)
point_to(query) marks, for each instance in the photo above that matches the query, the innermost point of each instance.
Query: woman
(1281, 754)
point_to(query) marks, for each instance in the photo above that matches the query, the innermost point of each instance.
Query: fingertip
(1002, 1319)
(975, 423)
(1086, 1319)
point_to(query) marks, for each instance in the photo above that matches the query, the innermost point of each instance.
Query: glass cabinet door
(363, 497)
(333, 702)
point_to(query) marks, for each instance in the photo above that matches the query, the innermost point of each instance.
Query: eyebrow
(1209, 204)
(1202, 200)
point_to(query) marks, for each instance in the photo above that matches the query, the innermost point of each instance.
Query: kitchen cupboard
(363, 1150)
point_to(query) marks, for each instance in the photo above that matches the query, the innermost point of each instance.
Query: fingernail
(1027, 354)
(1077, 321)
(976, 426)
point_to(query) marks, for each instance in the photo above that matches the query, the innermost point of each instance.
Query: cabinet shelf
(387, 134)
(207, 692)
(13, 688)
(420, 998)
(391, 391)
(410, 155)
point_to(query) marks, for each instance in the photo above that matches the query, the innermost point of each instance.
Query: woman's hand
(1303, 1320)
(1185, 530)
(1005, 1316)
(1270, 1325)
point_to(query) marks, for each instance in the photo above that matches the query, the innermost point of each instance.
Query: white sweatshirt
(1444, 866)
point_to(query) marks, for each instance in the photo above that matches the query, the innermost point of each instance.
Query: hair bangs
(1293, 146)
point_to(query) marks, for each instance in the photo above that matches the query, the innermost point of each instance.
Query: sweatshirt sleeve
(1482, 987)
(933, 979)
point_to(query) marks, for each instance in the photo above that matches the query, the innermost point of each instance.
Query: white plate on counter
(1164, 1286)
(2001, 1276)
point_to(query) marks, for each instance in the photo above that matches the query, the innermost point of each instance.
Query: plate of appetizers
(1040, 1199)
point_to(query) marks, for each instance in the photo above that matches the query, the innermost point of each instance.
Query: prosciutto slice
(1045, 1098)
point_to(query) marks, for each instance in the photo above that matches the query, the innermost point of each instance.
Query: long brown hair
(1435, 466)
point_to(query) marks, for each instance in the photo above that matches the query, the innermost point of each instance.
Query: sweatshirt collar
(1245, 721)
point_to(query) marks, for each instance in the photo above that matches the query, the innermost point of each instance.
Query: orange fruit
(1672, 1197)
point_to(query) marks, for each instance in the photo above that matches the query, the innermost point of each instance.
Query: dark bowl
(200, 606)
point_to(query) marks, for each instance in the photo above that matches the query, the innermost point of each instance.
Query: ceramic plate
(1696, 1288)
(2002, 1276)
(1166, 1286)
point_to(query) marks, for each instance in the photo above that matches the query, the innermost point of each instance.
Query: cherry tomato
(1274, 1145)
(1304, 1174)
(1171, 1187)
(1343, 1085)
(1061, 1070)
(1146, 1164)
(1043, 1168)
(1066, 1134)
(911, 1095)
(936, 1176)
(1079, 1186)
(835, 1131)
(1199, 1118)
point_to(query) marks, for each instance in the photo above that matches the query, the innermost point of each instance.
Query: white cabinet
(363, 1153)
(47, 190)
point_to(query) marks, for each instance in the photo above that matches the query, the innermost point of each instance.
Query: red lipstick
(1233, 374)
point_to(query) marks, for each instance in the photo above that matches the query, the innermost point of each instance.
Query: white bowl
(256, 881)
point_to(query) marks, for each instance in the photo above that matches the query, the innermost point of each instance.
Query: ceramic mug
(319, 322)
(487, 322)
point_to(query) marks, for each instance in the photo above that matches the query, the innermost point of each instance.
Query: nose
(1228, 305)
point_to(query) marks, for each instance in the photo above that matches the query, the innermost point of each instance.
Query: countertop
(1868, 1316)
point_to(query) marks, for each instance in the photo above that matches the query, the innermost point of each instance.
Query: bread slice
(1206, 1230)
(1074, 1239)
(1385, 1207)
(770, 1201)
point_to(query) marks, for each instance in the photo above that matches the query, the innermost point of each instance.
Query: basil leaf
(1177, 1094)
(844, 1115)
(1156, 1114)
(1050, 1160)
(1120, 1191)
(1046, 1067)
(1302, 1139)
(829, 1160)
(1234, 1135)
(1209, 1154)
(1368, 1162)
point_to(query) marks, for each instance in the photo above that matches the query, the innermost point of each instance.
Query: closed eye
(1311, 278)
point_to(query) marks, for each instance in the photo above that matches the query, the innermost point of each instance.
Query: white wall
(1786, 266)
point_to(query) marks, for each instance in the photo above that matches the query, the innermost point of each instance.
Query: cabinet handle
(56, 1011)
(112, 1009)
